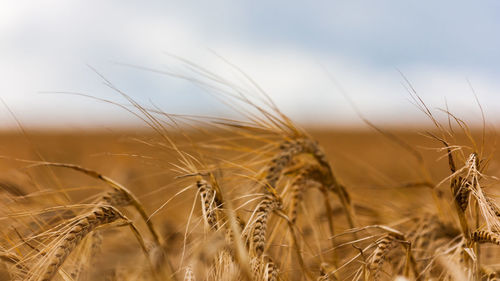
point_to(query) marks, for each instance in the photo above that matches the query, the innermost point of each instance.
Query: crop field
(249, 140)
(256, 199)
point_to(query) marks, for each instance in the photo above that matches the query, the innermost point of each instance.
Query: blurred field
(383, 180)
(361, 158)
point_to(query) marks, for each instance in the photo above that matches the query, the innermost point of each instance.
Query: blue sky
(284, 45)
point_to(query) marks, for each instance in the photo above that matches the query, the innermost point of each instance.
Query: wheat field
(255, 198)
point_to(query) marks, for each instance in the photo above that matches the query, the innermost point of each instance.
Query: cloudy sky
(293, 49)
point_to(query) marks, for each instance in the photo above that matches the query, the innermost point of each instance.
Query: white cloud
(45, 49)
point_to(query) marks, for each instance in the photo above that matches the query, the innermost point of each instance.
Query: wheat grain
(210, 204)
(100, 215)
(484, 236)
(259, 225)
(461, 189)
(384, 245)
(270, 271)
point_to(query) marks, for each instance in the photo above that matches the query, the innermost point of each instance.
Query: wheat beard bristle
(98, 216)
(258, 235)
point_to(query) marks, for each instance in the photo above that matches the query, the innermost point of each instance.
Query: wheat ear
(461, 190)
(291, 148)
(100, 215)
(270, 271)
(209, 204)
(288, 149)
(259, 227)
(484, 236)
(384, 246)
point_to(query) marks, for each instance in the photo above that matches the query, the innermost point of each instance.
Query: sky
(306, 55)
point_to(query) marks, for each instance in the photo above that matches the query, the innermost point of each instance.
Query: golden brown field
(381, 215)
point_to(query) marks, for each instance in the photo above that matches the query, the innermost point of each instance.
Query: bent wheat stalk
(122, 192)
